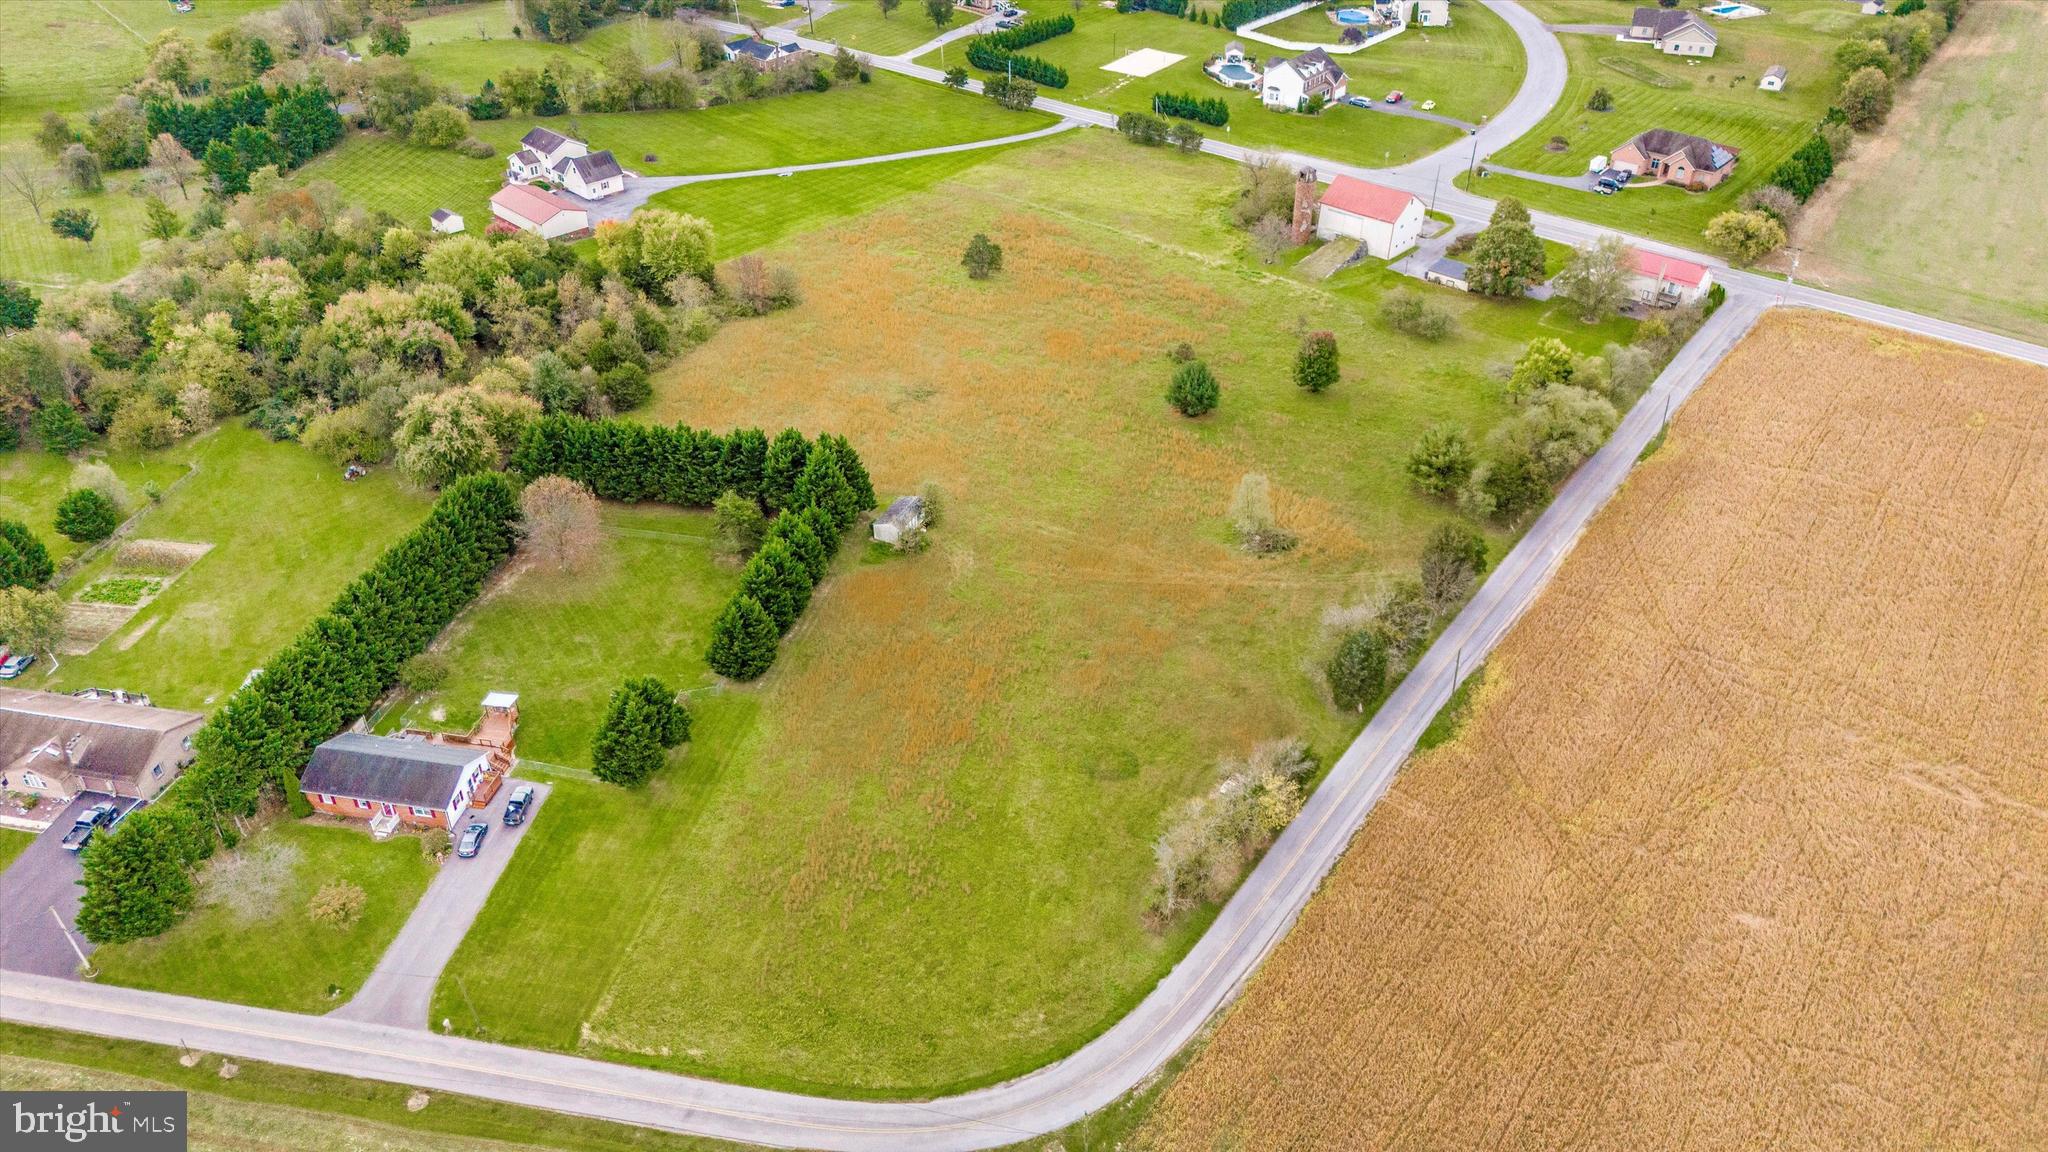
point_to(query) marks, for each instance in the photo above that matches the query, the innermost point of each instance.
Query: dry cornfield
(1745, 844)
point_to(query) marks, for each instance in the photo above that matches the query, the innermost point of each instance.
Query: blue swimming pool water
(1234, 72)
(1353, 16)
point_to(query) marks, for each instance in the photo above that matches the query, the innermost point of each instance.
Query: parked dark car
(517, 805)
(1359, 101)
(89, 821)
(472, 840)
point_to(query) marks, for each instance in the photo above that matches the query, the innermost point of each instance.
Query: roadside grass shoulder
(285, 1109)
(863, 27)
(249, 940)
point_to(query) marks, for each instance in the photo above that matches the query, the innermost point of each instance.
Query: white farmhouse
(1666, 281)
(565, 162)
(532, 210)
(1289, 84)
(1387, 221)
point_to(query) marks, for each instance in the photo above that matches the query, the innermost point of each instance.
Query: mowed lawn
(72, 56)
(1470, 69)
(33, 481)
(915, 855)
(1976, 110)
(287, 534)
(892, 114)
(250, 939)
(759, 210)
(12, 844)
(1716, 98)
(640, 605)
(864, 27)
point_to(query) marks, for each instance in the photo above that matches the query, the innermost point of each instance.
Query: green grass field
(249, 939)
(914, 856)
(1716, 98)
(760, 210)
(563, 639)
(1470, 69)
(71, 56)
(863, 27)
(32, 481)
(1976, 109)
(287, 535)
(892, 114)
(12, 844)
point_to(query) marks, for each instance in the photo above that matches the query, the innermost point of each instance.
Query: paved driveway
(43, 877)
(401, 989)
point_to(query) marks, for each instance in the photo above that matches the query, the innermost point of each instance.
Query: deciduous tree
(559, 523)
(1596, 278)
(1357, 671)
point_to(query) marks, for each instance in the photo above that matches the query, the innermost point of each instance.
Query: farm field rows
(1716, 98)
(1975, 109)
(1470, 69)
(915, 856)
(1734, 848)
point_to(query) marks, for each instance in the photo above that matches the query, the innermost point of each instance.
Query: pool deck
(1250, 31)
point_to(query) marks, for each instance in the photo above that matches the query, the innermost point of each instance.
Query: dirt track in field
(1746, 843)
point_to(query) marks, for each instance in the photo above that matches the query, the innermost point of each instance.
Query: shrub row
(1803, 172)
(1236, 12)
(1028, 33)
(819, 488)
(989, 58)
(1207, 109)
(136, 881)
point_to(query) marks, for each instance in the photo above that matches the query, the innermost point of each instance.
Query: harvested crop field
(1745, 843)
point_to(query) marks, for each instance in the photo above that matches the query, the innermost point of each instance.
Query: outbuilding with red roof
(533, 210)
(1386, 220)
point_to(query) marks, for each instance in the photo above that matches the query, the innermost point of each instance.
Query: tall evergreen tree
(741, 461)
(642, 719)
(24, 562)
(823, 485)
(781, 465)
(743, 640)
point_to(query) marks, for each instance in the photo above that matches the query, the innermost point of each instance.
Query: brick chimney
(1304, 224)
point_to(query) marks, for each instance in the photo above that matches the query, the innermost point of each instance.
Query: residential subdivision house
(1674, 31)
(543, 213)
(1385, 220)
(55, 746)
(393, 780)
(1291, 84)
(1680, 158)
(566, 163)
(1666, 281)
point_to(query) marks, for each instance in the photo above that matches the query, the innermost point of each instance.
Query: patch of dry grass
(1741, 845)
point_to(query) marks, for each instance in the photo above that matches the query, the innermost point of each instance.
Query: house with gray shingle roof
(1675, 32)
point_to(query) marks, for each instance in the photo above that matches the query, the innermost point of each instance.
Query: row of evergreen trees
(1803, 172)
(299, 122)
(1237, 12)
(818, 488)
(990, 58)
(1029, 32)
(137, 880)
(1207, 109)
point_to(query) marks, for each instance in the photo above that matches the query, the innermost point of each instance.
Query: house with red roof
(543, 213)
(1387, 221)
(1666, 281)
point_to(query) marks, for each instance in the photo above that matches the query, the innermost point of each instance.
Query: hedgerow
(1206, 109)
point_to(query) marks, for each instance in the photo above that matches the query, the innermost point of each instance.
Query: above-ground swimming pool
(1353, 16)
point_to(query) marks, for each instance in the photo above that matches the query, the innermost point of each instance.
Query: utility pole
(1474, 165)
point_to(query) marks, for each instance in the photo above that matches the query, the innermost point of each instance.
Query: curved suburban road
(1215, 968)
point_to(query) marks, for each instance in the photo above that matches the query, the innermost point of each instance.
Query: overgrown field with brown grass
(917, 853)
(1745, 843)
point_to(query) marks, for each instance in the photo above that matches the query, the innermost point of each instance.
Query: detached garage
(1387, 221)
(532, 210)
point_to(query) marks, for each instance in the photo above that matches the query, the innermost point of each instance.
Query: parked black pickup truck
(89, 821)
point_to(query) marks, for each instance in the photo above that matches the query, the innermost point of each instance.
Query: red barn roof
(1669, 268)
(531, 203)
(1371, 201)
